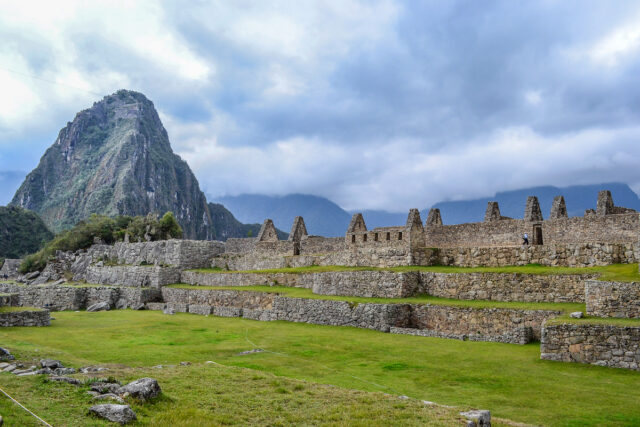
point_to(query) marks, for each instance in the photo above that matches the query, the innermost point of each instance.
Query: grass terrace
(591, 320)
(6, 309)
(421, 299)
(614, 272)
(281, 384)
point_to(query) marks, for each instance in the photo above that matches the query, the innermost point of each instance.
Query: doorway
(537, 234)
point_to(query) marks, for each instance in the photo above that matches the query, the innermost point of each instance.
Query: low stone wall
(241, 279)
(490, 324)
(58, 298)
(505, 287)
(569, 255)
(383, 284)
(481, 324)
(8, 299)
(132, 276)
(613, 299)
(218, 298)
(25, 318)
(603, 345)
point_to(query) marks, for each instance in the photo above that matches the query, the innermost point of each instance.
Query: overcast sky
(373, 104)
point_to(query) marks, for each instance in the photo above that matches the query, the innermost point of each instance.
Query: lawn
(288, 291)
(614, 272)
(510, 380)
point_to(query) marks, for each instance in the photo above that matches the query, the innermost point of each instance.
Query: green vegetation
(6, 309)
(108, 230)
(21, 232)
(510, 380)
(613, 272)
(591, 320)
(421, 299)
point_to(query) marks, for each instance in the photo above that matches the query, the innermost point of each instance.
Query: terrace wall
(613, 299)
(133, 276)
(25, 318)
(603, 345)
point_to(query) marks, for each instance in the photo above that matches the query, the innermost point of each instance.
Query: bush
(107, 230)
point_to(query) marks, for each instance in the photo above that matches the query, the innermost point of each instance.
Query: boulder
(6, 354)
(32, 275)
(99, 306)
(143, 389)
(169, 311)
(122, 414)
(577, 315)
(51, 364)
(64, 371)
(479, 417)
(104, 388)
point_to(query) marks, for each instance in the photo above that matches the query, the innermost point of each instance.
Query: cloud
(374, 104)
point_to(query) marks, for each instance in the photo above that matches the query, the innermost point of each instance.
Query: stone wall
(603, 345)
(491, 324)
(10, 268)
(321, 245)
(384, 284)
(58, 298)
(570, 255)
(243, 279)
(617, 228)
(177, 253)
(613, 299)
(133, 276)
(481, 324)
(25, 318)
(505, 287)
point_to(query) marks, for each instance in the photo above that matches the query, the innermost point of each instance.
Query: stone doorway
(537, 234)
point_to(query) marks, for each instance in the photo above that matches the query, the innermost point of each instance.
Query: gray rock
(577, 315)
(51, 364)
(10, 368)
(99, 306)
(28, 373)
(59, 282)
(255, 350)
(93, 393)
(143, 389)
(104, 388)
(90, 369)
(122, 414)
(479, 417)
(45, 371)
(109, 396)
(4, 365)
(169, 311)
(64, 371)
(67, 380)
(32, 275)
(6, 354)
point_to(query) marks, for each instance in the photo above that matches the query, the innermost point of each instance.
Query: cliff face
(115, 159)
(21, 232)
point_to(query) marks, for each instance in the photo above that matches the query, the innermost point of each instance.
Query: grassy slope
(510, 380)
(615, 272)
(422, 299)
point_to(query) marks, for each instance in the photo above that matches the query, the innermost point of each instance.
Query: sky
(374, 104)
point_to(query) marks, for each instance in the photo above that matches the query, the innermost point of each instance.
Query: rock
(255, 350)
(21, 371)
(109, 396)
(90, 369)
(480, 418)
(103, 388)
(143, 389)
(67, 380)
(45, 371)
(99, 306)
(577, 315)
(122, 414)
(93, 393)
(185, 363)
(32, 275)
(6, 354)
(51, 364)
(59, 282)
(10, 368)
(64, 371)
(4, 365)
(169, 311)
(28, 373)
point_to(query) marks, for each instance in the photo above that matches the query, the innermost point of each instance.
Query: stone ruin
(136, 275)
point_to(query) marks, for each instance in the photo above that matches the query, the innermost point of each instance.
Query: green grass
(510, 380)
(614, 272)
(421, 299)
(6, 309)
(591, 320)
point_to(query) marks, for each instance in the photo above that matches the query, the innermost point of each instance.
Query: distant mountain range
(323, 217)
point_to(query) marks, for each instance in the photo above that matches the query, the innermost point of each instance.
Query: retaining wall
(491, 324)
(613, 299)
(25, 318)
(133, 276)
(58, 298)
(603, 345)
(241, 279)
